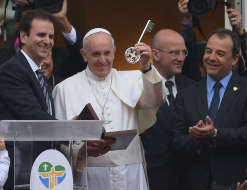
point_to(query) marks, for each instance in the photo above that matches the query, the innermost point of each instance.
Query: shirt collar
(93, 77)
(171, 79)
(224, 81)
(31, 62)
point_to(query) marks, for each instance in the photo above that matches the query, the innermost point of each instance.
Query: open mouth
(212, 65)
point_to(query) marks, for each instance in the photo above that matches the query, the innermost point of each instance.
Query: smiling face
(40, 41)
(99, 53)
(167, 64)
(218, 60)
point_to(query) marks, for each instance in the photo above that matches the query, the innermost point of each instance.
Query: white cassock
(128, 91)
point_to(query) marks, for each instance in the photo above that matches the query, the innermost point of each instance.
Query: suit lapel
(201, 98)
(25, 63)
(167, 112)
(231, 91)
(179, 83)
(165, 108)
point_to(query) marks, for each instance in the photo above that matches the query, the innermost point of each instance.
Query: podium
(31, 137)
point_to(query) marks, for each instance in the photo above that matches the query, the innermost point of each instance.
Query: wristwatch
(145, 71)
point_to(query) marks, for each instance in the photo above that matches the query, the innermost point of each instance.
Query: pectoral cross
(105, 121)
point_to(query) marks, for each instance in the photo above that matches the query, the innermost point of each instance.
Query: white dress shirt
(174, 88)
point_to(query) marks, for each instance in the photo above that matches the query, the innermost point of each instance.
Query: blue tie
(46, 94)
(215, 101)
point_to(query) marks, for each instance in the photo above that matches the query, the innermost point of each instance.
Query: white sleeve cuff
(4, 153)
(71, 37)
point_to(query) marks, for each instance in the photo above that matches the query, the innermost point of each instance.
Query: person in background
(47, 70)
(235, 19)
(191, 68)
(187, 32)
(4, 164)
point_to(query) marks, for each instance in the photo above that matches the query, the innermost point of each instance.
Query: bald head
(167, 52)
(163, 36)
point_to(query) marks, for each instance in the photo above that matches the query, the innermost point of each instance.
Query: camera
(53, 6)
(200, 7)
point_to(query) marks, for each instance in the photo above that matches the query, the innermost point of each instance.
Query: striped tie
(46, 94)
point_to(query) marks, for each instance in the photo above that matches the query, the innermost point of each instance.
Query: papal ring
(233, 19)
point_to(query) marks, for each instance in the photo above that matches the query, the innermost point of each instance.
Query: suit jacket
(226, 158)
(163, 167)
(22, 98)
(67, 62)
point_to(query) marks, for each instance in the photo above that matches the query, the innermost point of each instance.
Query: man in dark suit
(22, 95)
(164, 168)
(210, 131)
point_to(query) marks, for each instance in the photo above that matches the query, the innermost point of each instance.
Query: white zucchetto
(96, 30)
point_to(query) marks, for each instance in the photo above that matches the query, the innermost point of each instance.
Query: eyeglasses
(176, 53)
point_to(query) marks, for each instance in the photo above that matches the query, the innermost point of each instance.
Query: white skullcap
(96, 30)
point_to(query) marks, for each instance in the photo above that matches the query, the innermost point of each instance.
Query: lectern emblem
(51, 176)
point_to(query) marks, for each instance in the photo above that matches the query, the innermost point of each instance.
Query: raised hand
(145, 52)
(182, 6)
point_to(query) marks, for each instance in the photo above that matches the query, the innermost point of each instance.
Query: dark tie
(170, 97)
(215, 101)
(44, 89)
